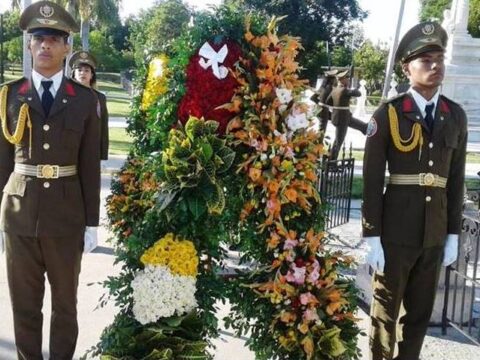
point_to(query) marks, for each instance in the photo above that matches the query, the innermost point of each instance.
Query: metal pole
(2, 69)
(391, 61)
(27, 58)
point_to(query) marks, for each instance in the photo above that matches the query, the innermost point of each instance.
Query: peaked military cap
(342, 74)
(424, 37)
(82, 58)
(47, 18)
(331, 73)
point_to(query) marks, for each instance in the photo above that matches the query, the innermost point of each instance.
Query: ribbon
(214, 59)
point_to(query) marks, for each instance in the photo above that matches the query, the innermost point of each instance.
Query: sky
(380, 24)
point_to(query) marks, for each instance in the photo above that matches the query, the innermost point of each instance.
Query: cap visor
(47, 32)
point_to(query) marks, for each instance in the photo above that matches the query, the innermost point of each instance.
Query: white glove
(375, 256)
(450, 251)
(90, 240)
(2, 243)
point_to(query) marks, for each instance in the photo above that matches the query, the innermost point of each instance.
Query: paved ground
(98, 265)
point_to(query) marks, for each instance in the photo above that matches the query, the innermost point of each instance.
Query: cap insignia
(428, 29)
(83, 55)
(47, 21)
(46, 11)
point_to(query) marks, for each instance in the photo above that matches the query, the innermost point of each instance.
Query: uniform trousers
(341, 132)
(28, 260)
(410, 277)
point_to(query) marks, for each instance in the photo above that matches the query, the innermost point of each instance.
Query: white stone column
(27, 57)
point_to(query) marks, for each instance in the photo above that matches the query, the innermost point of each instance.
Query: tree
(157, 26)
(371, 60)
(315, 21)
(101, 11)
(433, 9)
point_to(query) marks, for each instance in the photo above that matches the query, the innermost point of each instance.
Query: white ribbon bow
(214, 59)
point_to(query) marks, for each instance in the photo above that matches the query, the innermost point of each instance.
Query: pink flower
(314, 273)
(306, 298)
(290, 244)
(310, 315)
(296, 274)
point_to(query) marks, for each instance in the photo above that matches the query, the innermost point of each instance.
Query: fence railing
(335, 187)
(461, 308)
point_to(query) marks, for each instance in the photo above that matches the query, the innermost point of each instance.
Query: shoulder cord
(415, 139)
(23, 116)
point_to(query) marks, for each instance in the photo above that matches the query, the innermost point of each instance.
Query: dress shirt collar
(38, 78)
(422, 102)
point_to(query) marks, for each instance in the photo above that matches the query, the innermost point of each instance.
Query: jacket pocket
(15, 186)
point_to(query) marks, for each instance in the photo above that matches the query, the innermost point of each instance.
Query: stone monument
(462, 62)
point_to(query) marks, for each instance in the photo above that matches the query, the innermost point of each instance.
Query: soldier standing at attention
(50, 176)
(83, 65)
(413, 227)
(320, 98)
(342, 118)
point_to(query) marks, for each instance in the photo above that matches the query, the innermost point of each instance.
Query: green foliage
(193, 160)
(341, 56)
(14, 49)
(372, 59)
(313, 21)
(433, 9)
(156, 27)
(170, 339)
(10, 25)
(108, 58)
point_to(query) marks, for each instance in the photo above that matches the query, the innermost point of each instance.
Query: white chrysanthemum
(158, 293)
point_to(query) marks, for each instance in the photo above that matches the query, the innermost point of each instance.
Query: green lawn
(120, 141)
(118, 107)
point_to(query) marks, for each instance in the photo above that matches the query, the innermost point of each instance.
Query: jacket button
(430, 145)
(46, 184)
(430, 163)
(46, 127)
(428, 199)
(46, 146)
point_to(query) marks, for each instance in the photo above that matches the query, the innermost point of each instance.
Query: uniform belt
(422, 179)
(330, 107)
(45, 171)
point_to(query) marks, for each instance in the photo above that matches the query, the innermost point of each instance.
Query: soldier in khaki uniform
(342, 118)
(320, 98)
(50, 176)
(83, 65)
(412, 227)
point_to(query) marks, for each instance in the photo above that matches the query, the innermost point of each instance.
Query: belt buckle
(48, 171)
(427, 179)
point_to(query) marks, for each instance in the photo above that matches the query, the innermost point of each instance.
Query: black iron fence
(335, 187)
(461, 308)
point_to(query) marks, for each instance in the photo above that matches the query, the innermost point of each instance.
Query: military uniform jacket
(70, 135)
(320, 98)
(340, 97)
(102, 112)
(413, 215)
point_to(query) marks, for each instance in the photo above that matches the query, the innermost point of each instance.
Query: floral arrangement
(294, 303)
(209, 82)
(156, 83)
(167, 285)
(303, 307)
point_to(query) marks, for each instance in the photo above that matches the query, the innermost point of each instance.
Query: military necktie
(47, 97)
(429, 116)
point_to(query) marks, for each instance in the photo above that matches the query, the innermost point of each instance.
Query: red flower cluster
(205, 92)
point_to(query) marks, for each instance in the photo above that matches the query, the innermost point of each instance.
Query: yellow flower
(157, 78)
(179, 255)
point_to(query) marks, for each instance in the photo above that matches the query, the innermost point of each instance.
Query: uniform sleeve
(456, 178)
(104, 131)
(353, 92)
(6, 161)
(374, 164)
(89, 166)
